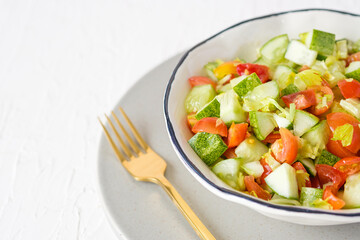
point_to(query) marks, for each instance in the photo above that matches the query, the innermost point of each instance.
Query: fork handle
(184, 208)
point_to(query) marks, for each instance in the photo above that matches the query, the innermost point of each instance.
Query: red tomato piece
(230, 153)
(337, 119)
(327, 173)
(252, 186)
(211, 125)
(320, 92)
(286, 148)
(349, 165)
(302, 100)
(267, 170)
(349, 88)
(199, 80)
(300, 167)
(330, 196)
(315, 183)
(261, 71)
(353, 58)
(337, 149)
(236, 134)
(271, 138)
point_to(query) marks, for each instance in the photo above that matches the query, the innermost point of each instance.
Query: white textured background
(62, 63)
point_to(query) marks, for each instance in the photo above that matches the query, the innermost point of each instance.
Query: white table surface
(63, 63)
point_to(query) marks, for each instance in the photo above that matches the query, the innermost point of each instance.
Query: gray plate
(138, 210)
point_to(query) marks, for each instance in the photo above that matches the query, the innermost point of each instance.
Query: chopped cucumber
(253, 168)
(251, 149)
(352, 106)
(212, 109)
(262, 61)
(274, 49)
(284, 75)
(352, 191)
(228, 170)
(322, 42)
(327, 158)
(309, 195)
(353, 70)
(230, 108)
(263, 123)
(282, 122)
(284, 201)
(318, 136)
(283, 181)
(256, 99)
(300, 54)
(198, 97)
(309, 165)
(246, 84)
(321, 57)
(341, 49)
(209, 147)
(303, 122)
(290, 89)
(224, 88)
(209, 69)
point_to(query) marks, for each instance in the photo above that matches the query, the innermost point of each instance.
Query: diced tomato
(271, 138)
(320, 92)
(226, 68)
(337, 149)
(236, 134)
(353, 58)
(315, 183)
(349, 88)
(330, 196)
(286, 148)
(211, 125)
(327, 173)
(302, 100)
(191, 120)
(337, 119)
(261, 71)
(304, 67)
(199, 80)
(349, 165)
(267, 170)
(252, 186)
(300, 167)
(230, 153)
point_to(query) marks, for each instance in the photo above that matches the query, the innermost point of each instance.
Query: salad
(286, 127)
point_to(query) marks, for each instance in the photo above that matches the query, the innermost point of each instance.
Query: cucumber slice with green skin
(303, 122)
(318, 135)
(230, 108)
(224, 88)
(263, 124)
(309, 165)
(228, 171)
(209, 147)
(284, 201)
(253, 100)
(212, 109)
(309, 195)
(321, 57)
(322, 42)
(352, 106)
(283, 181)
(341, 49)
(253, 168)
(282, 122)
(246, 84)
(251, 149)
(284, 75)
(300, 54)
(274, 50)
(352, 191)
(353, 70)
(262, 61)
(327, 158)
(198, 97)
(290, 89)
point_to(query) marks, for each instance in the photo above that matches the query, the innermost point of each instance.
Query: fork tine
(134, 131)
(123, 145)
(118, 154)
(131, 142)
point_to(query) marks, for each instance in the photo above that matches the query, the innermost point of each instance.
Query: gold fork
(145, 165)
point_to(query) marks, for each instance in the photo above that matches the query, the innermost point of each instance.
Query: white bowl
(242, 40)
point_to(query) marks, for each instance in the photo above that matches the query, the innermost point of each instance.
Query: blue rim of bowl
(190, 164)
